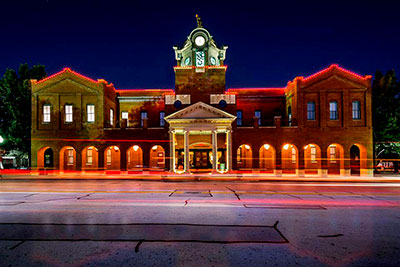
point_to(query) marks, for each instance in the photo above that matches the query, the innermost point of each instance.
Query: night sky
(129, 43)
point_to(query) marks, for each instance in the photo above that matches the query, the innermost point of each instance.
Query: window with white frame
(109, 151)
(356, 110)
(125, 115)
(311, 111)
(333, 110)
(313, 151)
(162, 121)
(89, 156)
(294, 155)
(46, 112)
(70, 155)
(90, 113)
(332, 154)
(111, 117)
(68, 113)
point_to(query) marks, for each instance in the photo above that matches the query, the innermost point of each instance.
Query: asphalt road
(137, 223)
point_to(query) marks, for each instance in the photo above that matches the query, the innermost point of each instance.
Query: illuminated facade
(317, 125)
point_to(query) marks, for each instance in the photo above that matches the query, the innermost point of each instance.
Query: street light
(1, 139)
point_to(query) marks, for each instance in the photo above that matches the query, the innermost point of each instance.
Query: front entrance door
(201, 159)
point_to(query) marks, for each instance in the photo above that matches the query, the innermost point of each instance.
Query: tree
(386, 115)
(15, 106)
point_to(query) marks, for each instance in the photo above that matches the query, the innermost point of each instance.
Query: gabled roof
(200, 110)
(257, 91)
(333, 69)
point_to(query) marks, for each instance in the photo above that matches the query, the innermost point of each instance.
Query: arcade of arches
(288, 159)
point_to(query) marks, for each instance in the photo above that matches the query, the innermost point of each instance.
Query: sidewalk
(166, 176)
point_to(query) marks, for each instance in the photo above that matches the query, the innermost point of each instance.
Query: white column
(214, 149)
(172, 151)
(229, 150)
(186, 151)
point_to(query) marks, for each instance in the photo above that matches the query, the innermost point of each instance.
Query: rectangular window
(68, 113)
(311, 111)
(124, 115)
(70, 156)
(257, 114)
(239, 117)
(90, 113)
(313, 154)
(356, 108)
(109, 156)
(46, 113)
(143, 117)
(162, 121)
(111, 117)
(129, 156)
(332, 154)
(333, 112)
(293, 155)
(89, 156)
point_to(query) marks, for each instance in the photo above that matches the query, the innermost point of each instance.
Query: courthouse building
(317, 125)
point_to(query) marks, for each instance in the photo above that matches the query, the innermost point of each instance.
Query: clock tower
(200, 68)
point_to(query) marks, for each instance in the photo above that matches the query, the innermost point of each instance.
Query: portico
(200, 136)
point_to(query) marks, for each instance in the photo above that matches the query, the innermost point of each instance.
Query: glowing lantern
(154, 147)
(247, 147)
(135, 148)
(266, 146)
(286, 146)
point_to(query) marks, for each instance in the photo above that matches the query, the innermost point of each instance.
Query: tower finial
(199, 23)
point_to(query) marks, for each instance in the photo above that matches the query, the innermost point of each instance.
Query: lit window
(129, 156)
(90, 113)
(356, 108)
(124, 115)
(143, 117)
(313, 154)
(332, 154)
(70, 156)
(46, 113)
(311, 111)
(333, 112)
(111, 117)
(239, 115)
(89, 156)
(162, 115)
(290, 115)
(109, 156)
(257, 114)
(293, 155)
(68, 113)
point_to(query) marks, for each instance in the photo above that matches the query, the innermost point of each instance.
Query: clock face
(200, 59)
(199, 41)
(187, 61)
(213, 61)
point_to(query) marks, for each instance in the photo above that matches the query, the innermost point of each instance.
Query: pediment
(68, 86)
(200, 111)
(335, 82)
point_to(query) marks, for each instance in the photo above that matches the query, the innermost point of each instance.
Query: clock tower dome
(200, 64)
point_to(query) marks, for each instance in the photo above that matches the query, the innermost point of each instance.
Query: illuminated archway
(112, 158)
(312, 158)
(335, 159)
(290, 158)
(134, 158)
(67, 159)
(157, 157)
(244, 157)
(267, 157)
(90, 158)
(45, 158)
(358, 160)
